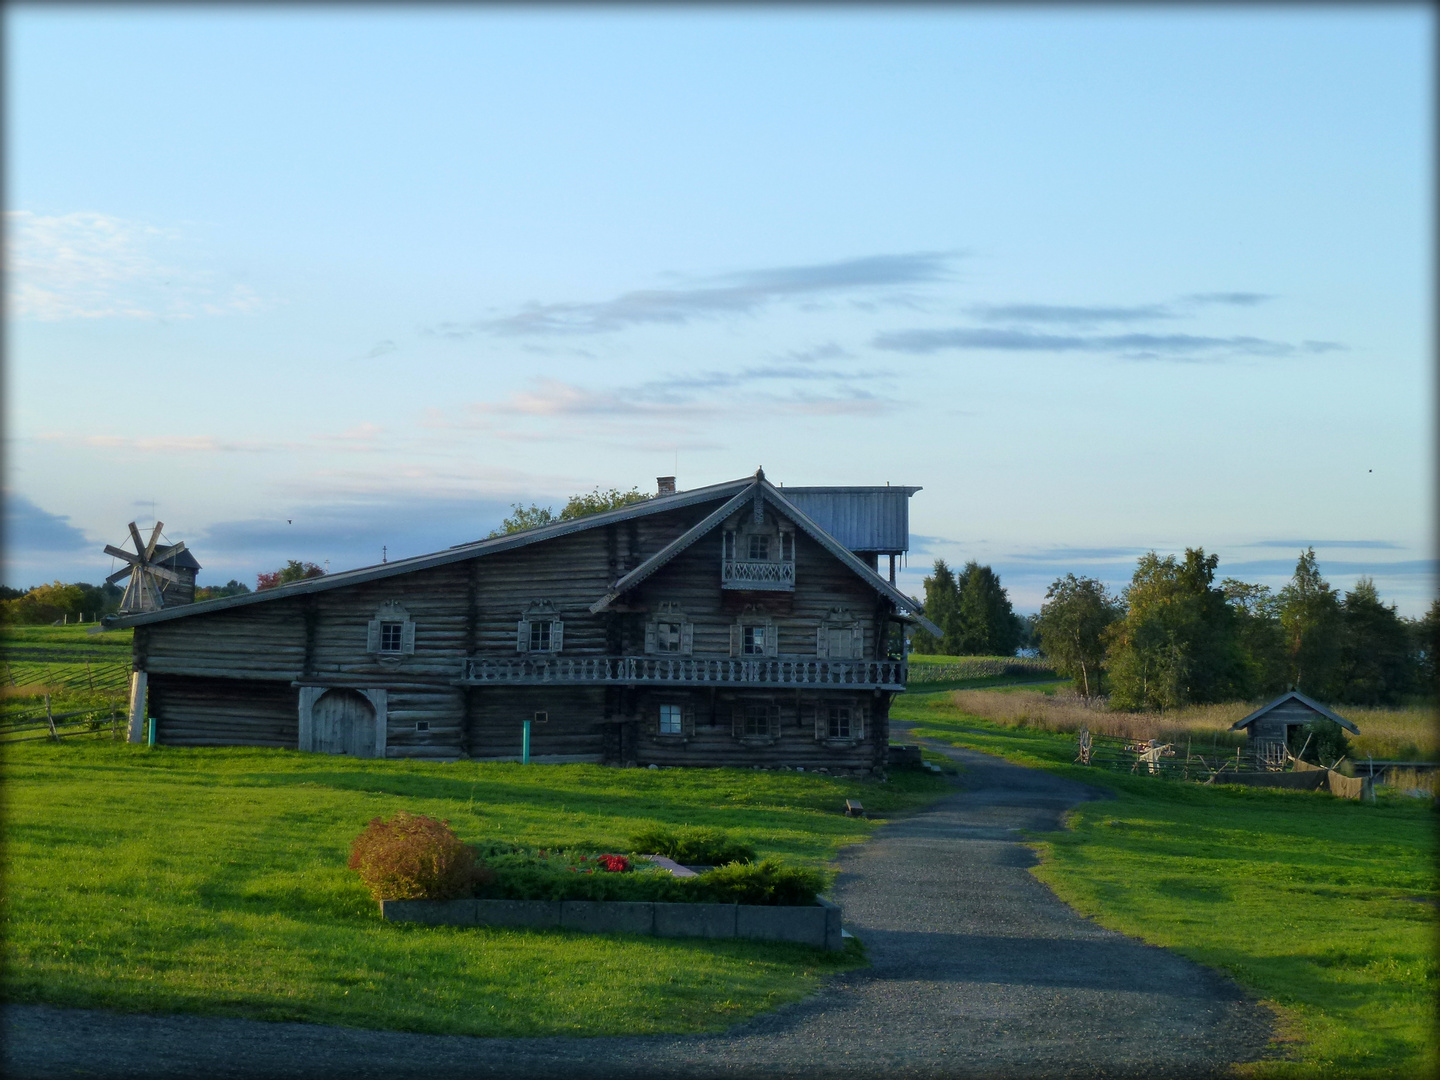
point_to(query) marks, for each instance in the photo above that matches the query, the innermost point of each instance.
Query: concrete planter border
(817, 925)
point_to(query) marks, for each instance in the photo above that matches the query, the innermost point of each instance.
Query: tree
(1310, 618)
(1072, 628)
(1375, 666)
(984, 623)
(45, 604)
(293, 570)
(1262, 643)
(215, 592)
(939, 607)
(1177, 643)
(1425, 646)
(578, 506)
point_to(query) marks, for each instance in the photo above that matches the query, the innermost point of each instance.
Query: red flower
(615, 864)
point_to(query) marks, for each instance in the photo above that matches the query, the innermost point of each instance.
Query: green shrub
(693, 846)
(414, 857)
(767, 882)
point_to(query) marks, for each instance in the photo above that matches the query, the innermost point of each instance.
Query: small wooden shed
(1272, 724)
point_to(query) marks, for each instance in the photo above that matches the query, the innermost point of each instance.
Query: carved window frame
(818, 712)
(540, 611)
(668, 612)
(840, 619)
(740, 713)
(390, 612)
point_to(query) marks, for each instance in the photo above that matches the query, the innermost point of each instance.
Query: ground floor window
(757, 720)
(839, 721)
(671, 720)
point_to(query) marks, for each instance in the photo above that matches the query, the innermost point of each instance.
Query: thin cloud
(724, 295)
(85, 265)
(380, 348)
(1301, 545)
(1133, 346)
(1071, 315)
(1232, 299)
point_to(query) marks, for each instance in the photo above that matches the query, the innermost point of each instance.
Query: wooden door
(343, 722)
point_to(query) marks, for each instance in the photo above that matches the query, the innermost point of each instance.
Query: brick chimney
(666, 485)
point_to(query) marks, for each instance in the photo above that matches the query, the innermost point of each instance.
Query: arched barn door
(343, 722)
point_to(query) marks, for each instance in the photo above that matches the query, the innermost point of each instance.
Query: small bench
(853, 808)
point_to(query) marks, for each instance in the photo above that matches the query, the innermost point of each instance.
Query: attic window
(759, 547)
(540, 629)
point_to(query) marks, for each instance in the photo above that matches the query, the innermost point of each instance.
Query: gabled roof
(730, 491)
(1309, 703)
(764, 489)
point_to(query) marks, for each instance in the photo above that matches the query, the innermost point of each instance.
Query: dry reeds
(1412, 781)
(1408, 734)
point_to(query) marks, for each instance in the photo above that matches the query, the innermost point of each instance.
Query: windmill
(149, 579)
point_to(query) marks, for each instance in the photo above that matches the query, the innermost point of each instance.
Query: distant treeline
(1174, 637)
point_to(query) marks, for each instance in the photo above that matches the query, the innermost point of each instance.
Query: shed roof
(862, 518)
(479, 548)
(1309, 703)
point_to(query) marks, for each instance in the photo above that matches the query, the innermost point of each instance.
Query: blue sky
(306, 283)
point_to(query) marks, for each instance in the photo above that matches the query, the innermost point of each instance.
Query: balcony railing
(683, 671)
(757, 574)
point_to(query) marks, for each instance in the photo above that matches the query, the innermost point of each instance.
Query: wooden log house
(719, 626)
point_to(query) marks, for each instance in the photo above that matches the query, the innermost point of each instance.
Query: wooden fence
(978, 667)
(103, 722)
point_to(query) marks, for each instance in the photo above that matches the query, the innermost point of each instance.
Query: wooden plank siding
(233, 675)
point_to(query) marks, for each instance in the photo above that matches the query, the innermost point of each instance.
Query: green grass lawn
(213, 881)
(1321, 907)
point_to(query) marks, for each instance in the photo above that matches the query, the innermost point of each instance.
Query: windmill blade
(165, 554)
(139, 544)
(154, 539)
(161, 573)
(113, 578)
(121, 553)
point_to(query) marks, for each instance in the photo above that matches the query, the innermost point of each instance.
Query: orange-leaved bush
(414, 857)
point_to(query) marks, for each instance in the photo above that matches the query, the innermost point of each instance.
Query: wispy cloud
(89, 266)
(723, 295)
(1071, 315)
(1137, 346)
(1232, 299)
(1300, 545)
(379, 349)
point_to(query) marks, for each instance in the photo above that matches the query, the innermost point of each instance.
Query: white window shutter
(522, 636)
(372, 640)
(649, 637)
(735, 640)
(557, 636)
(857, 650)
(822, 722)
(822, 641)
(687, 638)
(407, 636)
(771, 643)
(857, 722)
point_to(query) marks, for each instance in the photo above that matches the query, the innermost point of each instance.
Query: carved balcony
(758, 575)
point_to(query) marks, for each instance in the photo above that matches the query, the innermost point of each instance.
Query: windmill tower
(160, 576)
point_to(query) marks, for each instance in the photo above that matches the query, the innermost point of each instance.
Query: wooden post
(138, 683)
(50, 720)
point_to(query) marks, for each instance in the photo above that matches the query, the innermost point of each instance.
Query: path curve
(977, 970)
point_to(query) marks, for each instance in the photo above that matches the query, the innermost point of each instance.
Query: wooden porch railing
(684, 671)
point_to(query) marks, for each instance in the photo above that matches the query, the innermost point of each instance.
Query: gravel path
(977, 970)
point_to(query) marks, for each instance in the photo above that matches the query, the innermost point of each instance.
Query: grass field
(1322, 907)
(77, 667)
(213, 881)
